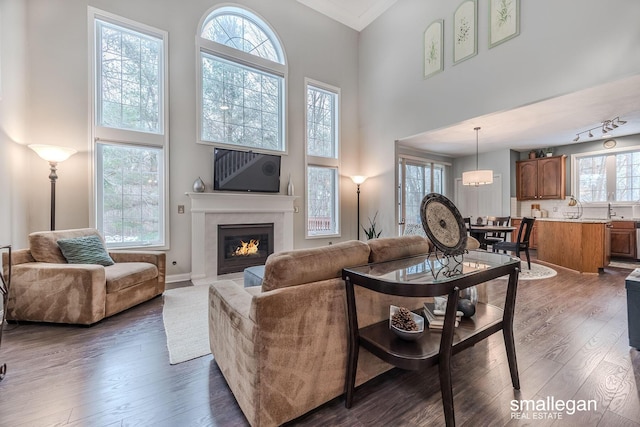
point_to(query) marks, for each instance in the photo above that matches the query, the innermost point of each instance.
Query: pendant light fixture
(477, 177)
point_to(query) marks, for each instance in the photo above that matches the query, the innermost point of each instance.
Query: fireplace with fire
(243, 245)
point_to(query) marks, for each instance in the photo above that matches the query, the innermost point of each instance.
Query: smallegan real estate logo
(549, 408)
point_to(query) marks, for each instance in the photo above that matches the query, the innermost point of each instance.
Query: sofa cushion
(85, 250)
(300, 266)
(123, 275)
(388, 248)
(44, 246)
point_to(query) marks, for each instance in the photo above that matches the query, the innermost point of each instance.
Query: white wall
(14, 173)
(316, 47)
(500, 163)
(563, 46)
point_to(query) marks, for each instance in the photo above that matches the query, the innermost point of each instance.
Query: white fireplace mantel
(208, 210)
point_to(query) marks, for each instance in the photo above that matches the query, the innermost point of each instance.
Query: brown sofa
(45, 288)
(282, 347)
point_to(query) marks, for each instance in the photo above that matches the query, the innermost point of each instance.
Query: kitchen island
(578, 244)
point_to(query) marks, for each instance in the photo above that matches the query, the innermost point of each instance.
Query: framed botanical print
(433, 47)
(465, 31)
(504, 21)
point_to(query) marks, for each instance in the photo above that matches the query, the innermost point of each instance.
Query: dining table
(479, 231)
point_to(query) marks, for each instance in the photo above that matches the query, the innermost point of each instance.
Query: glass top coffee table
(430, 276)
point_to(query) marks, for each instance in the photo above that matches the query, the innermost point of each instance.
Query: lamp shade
(52, 153)
(358, 179)
(477, 177)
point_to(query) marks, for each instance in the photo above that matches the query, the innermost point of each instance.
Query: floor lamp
(358, 179)
(54, 155)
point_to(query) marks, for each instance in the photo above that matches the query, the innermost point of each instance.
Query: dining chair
(521, 243)
(467, 224)
(499, 236)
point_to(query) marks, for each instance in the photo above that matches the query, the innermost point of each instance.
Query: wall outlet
(180, 209)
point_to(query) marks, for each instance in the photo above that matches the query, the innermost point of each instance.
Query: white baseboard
(184, 277)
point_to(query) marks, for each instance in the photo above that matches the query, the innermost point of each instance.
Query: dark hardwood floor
(571, 341)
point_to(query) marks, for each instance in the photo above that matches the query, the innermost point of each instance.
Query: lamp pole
(53, 177)
(358, 210)
(358, 179)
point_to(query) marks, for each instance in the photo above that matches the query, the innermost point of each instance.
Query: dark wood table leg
(444, 359)
(507, 328)
(353, 345)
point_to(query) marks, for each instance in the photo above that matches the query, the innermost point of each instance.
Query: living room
(45, 86)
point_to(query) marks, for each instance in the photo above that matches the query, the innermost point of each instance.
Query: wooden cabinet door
(623, 239)
(527, 179)
(551, 178)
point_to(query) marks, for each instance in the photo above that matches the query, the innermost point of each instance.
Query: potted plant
(549, 152)
(371, 231)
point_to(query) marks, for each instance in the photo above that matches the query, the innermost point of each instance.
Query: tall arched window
(242, 81)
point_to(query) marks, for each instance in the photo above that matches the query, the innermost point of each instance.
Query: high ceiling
(547, 123)
(356, 14)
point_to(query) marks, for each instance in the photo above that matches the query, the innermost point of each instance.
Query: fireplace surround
(208, 210)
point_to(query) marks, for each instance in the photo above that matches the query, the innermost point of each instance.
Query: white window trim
(400, 196)
(574, 170)
(323, 161)
(248, 60)
(120, 136)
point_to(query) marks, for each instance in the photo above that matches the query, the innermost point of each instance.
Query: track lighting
(606, 126)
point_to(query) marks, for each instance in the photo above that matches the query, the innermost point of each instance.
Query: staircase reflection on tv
(235, 170)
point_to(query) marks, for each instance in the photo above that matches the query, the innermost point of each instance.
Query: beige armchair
(46, 288)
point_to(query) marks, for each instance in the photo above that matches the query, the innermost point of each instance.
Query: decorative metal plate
(443, 224)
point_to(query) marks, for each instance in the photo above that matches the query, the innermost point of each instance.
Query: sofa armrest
(153, 257)
(19, 256)
(233, 300)
(60, 293)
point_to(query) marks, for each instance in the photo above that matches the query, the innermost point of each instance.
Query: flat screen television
(235, 170)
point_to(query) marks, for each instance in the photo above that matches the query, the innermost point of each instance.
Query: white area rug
(186, 322)
(538, 271)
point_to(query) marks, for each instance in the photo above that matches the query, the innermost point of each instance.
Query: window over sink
(607, 177)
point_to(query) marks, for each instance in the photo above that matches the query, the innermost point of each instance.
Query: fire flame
(247, 248)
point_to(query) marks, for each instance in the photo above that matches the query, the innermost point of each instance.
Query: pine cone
(402, 319)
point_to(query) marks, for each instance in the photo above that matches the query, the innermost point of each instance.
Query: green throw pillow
(85, 250)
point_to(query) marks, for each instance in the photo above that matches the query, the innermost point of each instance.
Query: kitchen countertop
(585, 220)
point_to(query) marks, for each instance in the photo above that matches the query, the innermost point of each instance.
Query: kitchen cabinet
(583, 246)
(543, 178)
(623, 239)
(533, 238)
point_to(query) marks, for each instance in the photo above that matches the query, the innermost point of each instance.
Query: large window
(608, 177)
(416, 179)
(322, 140)
(129, 130)
(241, 82)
